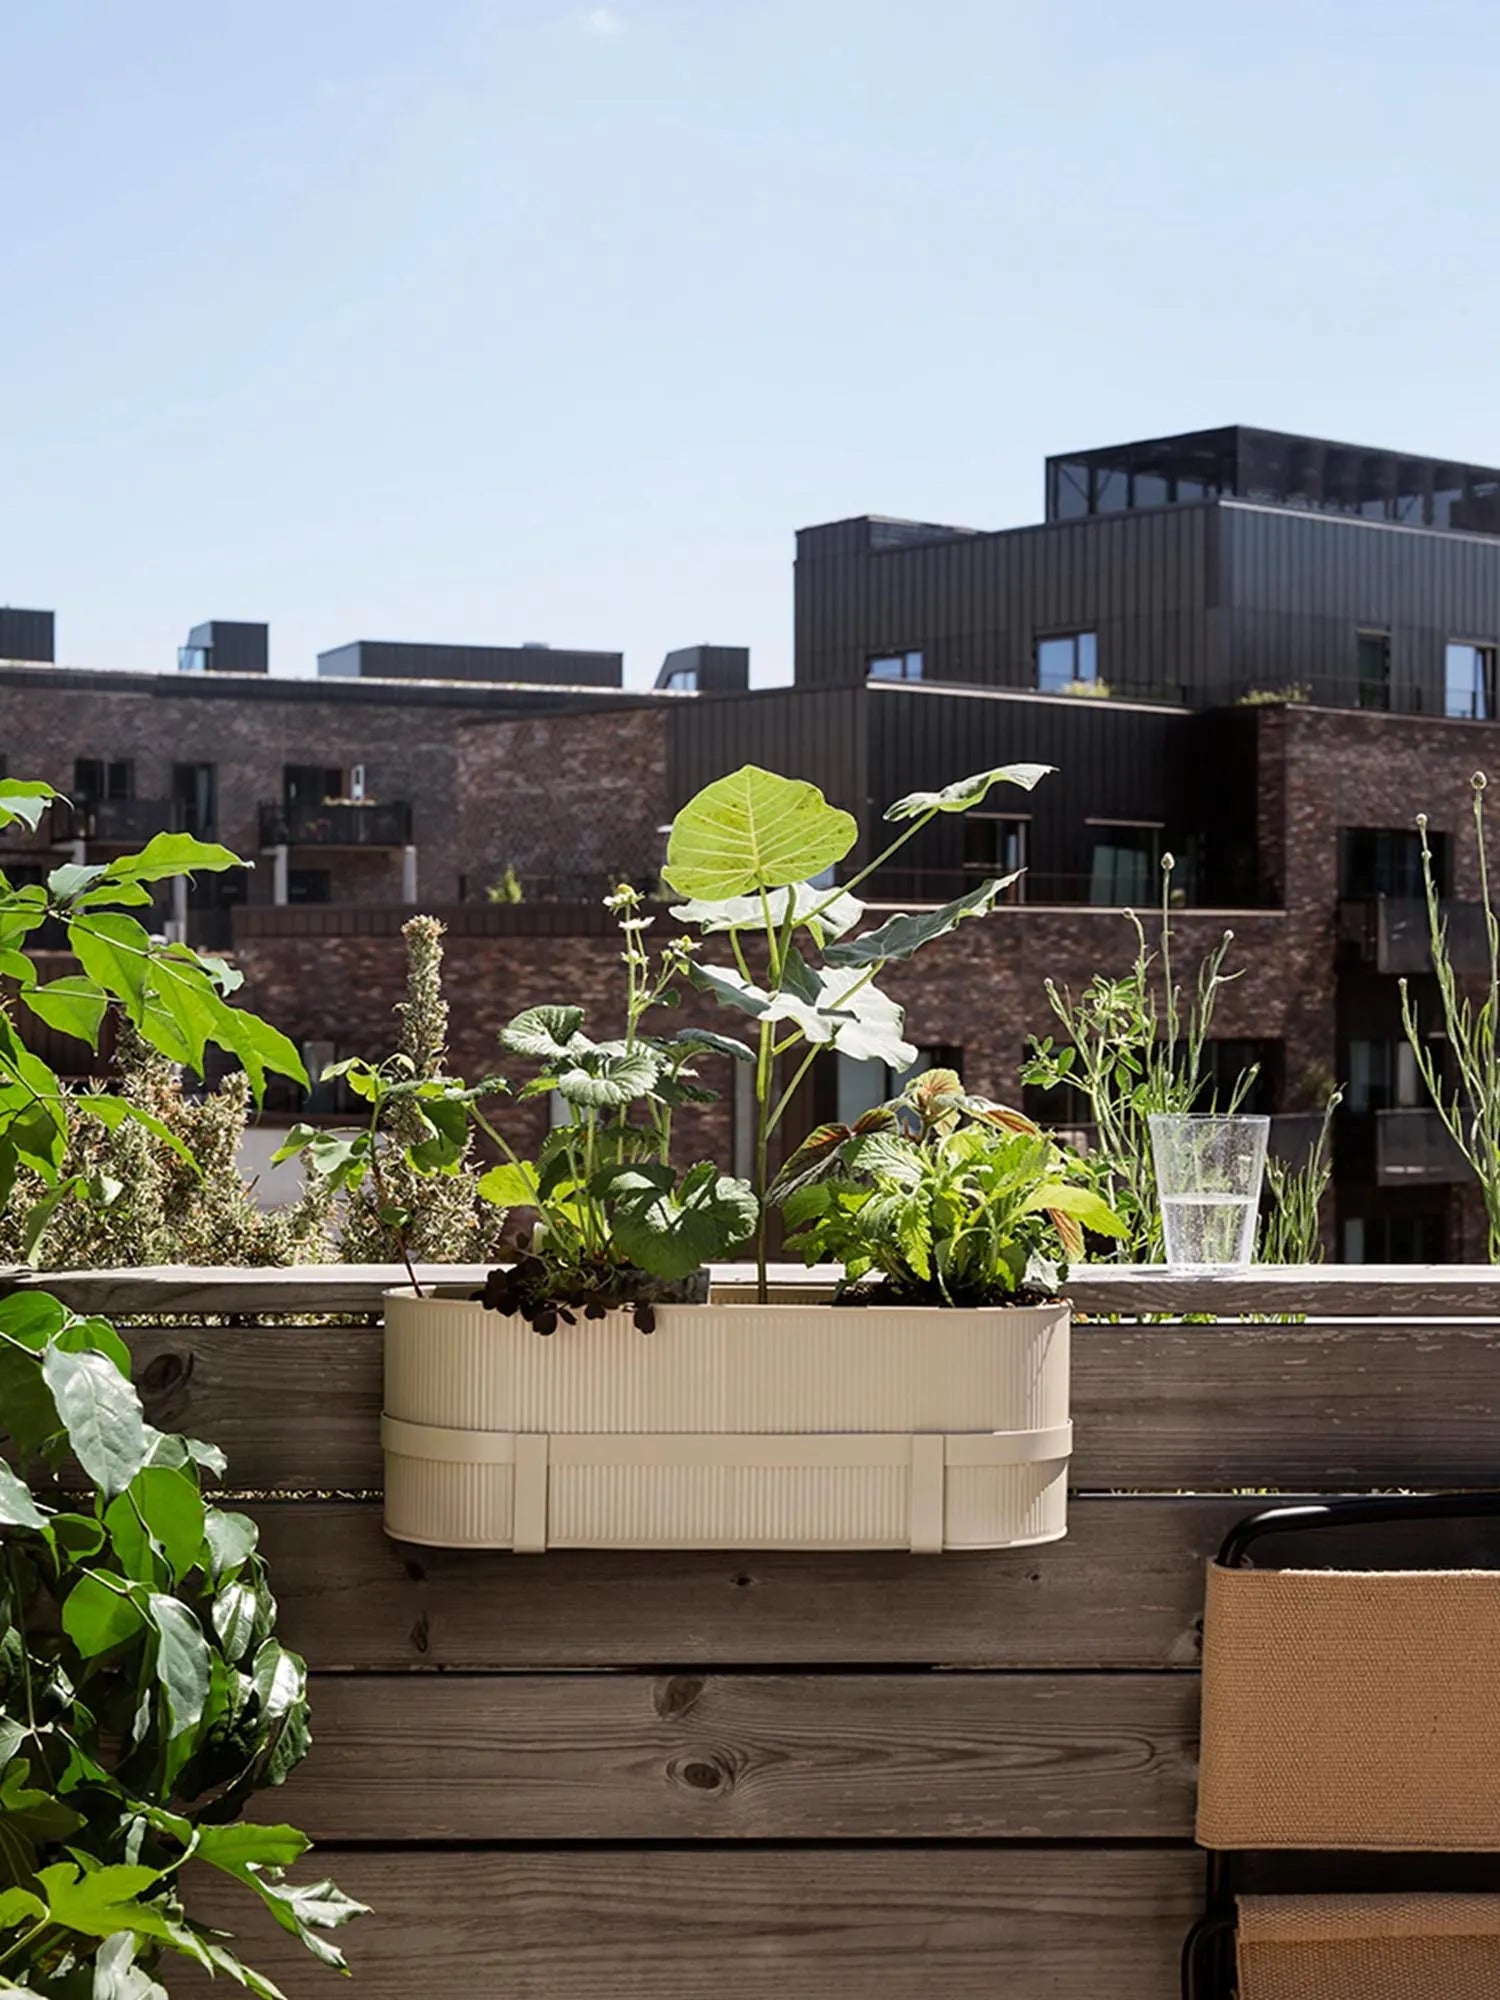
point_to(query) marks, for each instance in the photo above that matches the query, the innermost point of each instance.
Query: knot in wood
(166, 1371)
(677, 1694)
(711, 1773)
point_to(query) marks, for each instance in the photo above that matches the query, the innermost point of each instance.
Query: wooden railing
(779, 1777)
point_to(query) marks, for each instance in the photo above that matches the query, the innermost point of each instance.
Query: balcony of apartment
(1392, 934)
(1413, 1148)
(103, 823)
(332, 824)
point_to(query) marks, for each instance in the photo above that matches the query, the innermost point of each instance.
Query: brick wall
(577, 796)
(981, 989)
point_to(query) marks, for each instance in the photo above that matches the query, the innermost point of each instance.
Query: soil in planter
(528, 1287)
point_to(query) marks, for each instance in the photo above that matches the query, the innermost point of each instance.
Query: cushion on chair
(1369, 1947)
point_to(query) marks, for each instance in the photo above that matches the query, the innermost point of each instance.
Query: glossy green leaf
(17, 1508)
(238, 1846)
(709, 1043)
(101, 1414)
(609, 1074)
(72, 878)
(231, 1540)
(512, 1184)
(168, 854)
(182, 1661)
(900, 936)
(673, 1228)
(966, 792)
(234, 1619)
(307, 1909)
(543, 1033)
(23, 801)
(161, 1509)
(98, 1617)
(115, 951)
(754, 830)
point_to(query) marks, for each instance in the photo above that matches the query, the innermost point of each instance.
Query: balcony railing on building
(1392, 934)
(335, 823)
(114, 822)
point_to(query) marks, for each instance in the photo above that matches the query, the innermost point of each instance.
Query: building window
(1469, 681)
(195, 790)
(862, 1085)
(1387, 861)
(896, 666)
(96, 779)
(685, 678)
(1374, 680)
(1065, 659)
(1394, 1239)
(311, 784)
(1226, 1061)
(1382, 1076)
(996, 846)
(1126, 866)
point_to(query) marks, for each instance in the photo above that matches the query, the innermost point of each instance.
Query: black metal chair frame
(1208, 1959)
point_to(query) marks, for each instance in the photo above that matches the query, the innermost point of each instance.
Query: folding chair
(1350, 1714)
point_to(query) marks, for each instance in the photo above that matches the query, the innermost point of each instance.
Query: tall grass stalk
(1467, 1098)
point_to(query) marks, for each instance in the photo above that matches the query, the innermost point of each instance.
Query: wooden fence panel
(749, 1924)
(780, 1776)
(771, 1757)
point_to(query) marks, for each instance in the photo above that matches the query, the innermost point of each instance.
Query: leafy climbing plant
(176, 998)
(144, 1696)
(743, 853)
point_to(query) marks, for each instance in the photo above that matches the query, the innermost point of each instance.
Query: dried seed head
(1479, 781)
(1421, 822)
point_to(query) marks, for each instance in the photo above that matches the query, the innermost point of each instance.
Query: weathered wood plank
(1442, 1291)
(1123, 1590)
(752, 1924)
(1156, 1408)
(522, 1757)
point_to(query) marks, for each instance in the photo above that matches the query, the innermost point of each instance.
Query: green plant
(508, 889)
(1132, 1054)
(144, 1696)
(1468, 1098)
(951, 1199)
(619, 1225)
(445, 1222)
(1095, 690)
(173, 997)
(743, 853)
(1290, 1229)
(151, 1203)
(1293, 692)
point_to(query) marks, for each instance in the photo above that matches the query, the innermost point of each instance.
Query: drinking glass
(1208, 1175)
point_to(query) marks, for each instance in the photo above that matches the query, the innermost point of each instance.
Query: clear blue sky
(492, 320)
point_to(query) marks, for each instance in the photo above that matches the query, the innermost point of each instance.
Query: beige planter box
(733, 1426)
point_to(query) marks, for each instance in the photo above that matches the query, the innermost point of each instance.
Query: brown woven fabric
(1344, 1709)
(1369, 1947)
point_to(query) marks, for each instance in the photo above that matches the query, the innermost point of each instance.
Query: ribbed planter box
(731, 1426)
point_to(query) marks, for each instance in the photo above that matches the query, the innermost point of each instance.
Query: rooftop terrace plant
(144, 1696)
(176, 999)
(752, 855)
(943, 1197)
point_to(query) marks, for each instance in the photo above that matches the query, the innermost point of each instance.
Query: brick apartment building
(1263, 653)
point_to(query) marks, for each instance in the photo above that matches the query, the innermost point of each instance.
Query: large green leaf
(305, 1909)
(730, 987)
(17, 1508)
(1089, 1208)
(118, 1977)
(161, 1509)
(241, 1845)
(966, 792)
(23, 801)
(705, 1040)
(173, 854)
(114, 950)
(672, 1229)
(544, 1033)
(826, 912)
(751, 831)
(182, 1661)
(113, 1112)
(900, 936)
(101, 1414)
(838, 1005)
(231, 1540)
(513, 1184)
(97, 1616)
(73, 1005)
(610, 1073)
